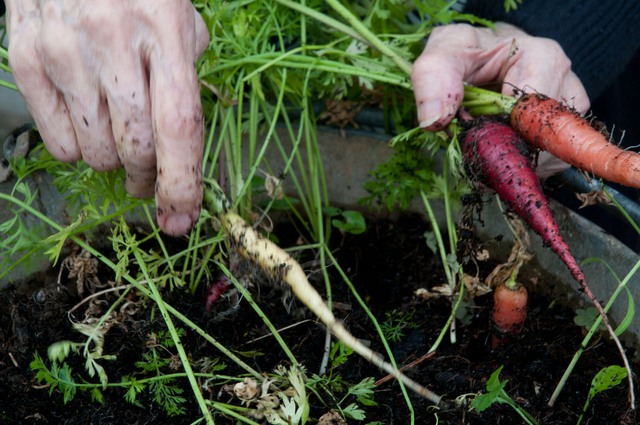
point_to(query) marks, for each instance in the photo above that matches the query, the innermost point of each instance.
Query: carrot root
(551, 126)
(275, 261)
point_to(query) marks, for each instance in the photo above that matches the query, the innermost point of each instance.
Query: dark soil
(387, 265)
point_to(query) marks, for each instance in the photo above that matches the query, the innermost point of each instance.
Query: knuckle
(554, 47)
(461, 31)
(553, 51)
(100, 161)
(22, 57)
(183, 122)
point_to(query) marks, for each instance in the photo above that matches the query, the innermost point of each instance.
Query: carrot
(510, 297)
(551, 126)
(276, 262)
(215, 291)
(509, 311)
(493, 153)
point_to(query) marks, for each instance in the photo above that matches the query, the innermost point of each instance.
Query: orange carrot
(509, 311)
(551, 126)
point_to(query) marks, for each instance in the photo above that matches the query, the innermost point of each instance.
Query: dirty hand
(461, 53)
(114, 83)
(506, 57)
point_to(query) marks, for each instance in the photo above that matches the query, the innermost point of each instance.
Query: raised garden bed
(130, 325)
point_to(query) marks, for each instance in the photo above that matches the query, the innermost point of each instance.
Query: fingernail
(429, 112)
(177, 224)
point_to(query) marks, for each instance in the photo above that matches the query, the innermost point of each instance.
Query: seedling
(496, 394)
(586, 317)
(609, 377)
(396, 323)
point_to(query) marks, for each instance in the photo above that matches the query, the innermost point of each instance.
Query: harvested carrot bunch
(550, 125)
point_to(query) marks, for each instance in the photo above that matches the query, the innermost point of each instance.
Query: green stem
(594, 328)
(479, 101)
(528, 419)
(195, 386)
(448, 273)
(512, 283)
(440, 241)
(230, 410)
(8, 85)
(370, 37)
(321, 17)
(126, 384)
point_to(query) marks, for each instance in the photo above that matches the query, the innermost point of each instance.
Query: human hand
(114, 83)
(461, 53)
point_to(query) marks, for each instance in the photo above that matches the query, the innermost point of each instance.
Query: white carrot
(275, 261)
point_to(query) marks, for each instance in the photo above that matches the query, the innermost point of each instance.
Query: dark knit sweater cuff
(600, 37)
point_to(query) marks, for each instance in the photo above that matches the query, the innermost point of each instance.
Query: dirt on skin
(387, 265)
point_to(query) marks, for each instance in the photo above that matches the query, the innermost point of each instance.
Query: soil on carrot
(387, 265)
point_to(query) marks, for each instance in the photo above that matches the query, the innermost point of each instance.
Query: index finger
(178, 130)
(439, 72)
(454, 54)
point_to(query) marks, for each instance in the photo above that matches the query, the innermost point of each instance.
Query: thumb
(437, 77)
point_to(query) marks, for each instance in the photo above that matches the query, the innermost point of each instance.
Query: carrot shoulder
(559, 130)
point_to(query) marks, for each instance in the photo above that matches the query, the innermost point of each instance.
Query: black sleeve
(600, 37)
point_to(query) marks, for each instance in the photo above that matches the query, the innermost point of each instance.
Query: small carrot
(509, 312)
(510, 308)
(510, 297)
(215, 291)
